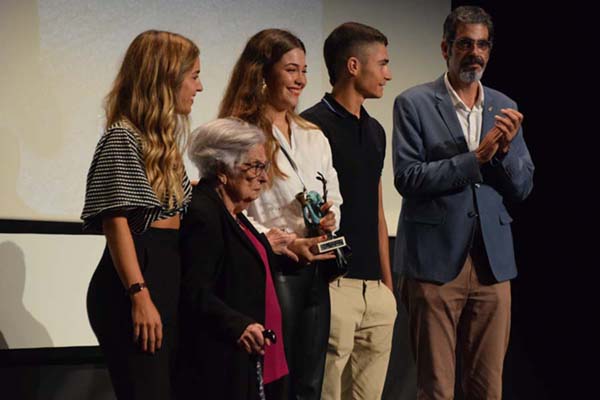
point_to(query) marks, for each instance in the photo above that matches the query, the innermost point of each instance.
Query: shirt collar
(281, 137)
(457, 101)
(340, 110)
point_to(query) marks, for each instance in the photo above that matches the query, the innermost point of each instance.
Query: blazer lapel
(231, 223)
(271, 257)
(242, 235)
(448, 114)
(489, 110)
(262, 238)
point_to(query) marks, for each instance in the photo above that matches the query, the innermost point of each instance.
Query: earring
(263, 87)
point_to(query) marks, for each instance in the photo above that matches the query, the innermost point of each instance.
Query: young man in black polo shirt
(363, 308)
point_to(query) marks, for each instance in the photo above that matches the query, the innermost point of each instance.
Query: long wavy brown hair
(144, 94)
(245, 97)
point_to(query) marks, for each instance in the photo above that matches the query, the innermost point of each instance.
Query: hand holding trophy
(312, 209)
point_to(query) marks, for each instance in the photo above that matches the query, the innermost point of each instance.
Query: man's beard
(468, 74)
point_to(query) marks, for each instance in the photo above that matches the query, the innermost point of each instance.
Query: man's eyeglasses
(254, 170)
(467, 44)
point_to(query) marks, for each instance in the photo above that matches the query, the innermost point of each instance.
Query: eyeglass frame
(258, 167)
(465, 44)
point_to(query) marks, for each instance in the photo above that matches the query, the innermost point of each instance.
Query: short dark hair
(344, 42)
(467, 15)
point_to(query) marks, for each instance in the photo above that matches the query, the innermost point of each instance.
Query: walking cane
(267, 334)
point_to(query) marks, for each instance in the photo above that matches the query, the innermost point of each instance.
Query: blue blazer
(444, 188)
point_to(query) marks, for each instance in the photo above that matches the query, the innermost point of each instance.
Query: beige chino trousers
(360, 339)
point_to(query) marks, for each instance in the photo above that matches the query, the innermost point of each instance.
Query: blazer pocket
(428, 212)
(505, 218)
(425, 219)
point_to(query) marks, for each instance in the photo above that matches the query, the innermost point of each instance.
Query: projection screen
(57, 62)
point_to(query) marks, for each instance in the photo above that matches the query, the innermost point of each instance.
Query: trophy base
(331, 244)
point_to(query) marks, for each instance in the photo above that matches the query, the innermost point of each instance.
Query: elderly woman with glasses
(228, 299)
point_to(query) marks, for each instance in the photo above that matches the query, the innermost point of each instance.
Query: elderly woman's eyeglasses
(468, 43)
(255, 169)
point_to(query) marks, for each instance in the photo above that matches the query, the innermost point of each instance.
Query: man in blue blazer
(459, 155)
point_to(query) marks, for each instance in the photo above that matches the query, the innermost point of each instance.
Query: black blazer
(223, 291)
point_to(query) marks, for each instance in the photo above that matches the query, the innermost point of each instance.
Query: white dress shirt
(277, 206)
(470, 118)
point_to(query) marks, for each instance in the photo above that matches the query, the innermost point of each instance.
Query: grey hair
(467, 15)
(222, 143)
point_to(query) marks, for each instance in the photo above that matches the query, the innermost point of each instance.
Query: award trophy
(311, 203)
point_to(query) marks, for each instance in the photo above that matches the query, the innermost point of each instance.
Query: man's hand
(509, 126)
(488, 146)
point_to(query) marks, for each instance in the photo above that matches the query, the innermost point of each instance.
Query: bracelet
(136, 288)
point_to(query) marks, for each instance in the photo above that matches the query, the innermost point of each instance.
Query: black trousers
(135, 374)
(303, 293)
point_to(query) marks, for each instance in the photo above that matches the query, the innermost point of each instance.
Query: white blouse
(277, 206)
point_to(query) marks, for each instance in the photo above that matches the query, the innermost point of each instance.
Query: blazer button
(472, 214)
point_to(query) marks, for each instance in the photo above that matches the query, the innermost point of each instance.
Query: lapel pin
(490, 108)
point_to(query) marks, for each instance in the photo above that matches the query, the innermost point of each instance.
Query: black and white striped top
(117, 181)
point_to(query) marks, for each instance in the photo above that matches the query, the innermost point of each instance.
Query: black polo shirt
(358, 148)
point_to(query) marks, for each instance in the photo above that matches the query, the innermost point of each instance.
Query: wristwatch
(136, 287)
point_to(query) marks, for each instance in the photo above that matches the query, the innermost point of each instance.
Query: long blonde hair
(245, 96)
(144, 94)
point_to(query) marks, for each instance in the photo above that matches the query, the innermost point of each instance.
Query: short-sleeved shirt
(358, 149)
(117, 181)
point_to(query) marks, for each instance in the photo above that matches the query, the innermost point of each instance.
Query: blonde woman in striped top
(137, 191)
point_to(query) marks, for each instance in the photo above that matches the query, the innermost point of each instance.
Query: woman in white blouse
(265, 85)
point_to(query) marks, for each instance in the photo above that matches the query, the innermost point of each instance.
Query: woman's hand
(147, 325)
(306, 249)
(280, 240)
(252, 340)
(327, 223)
